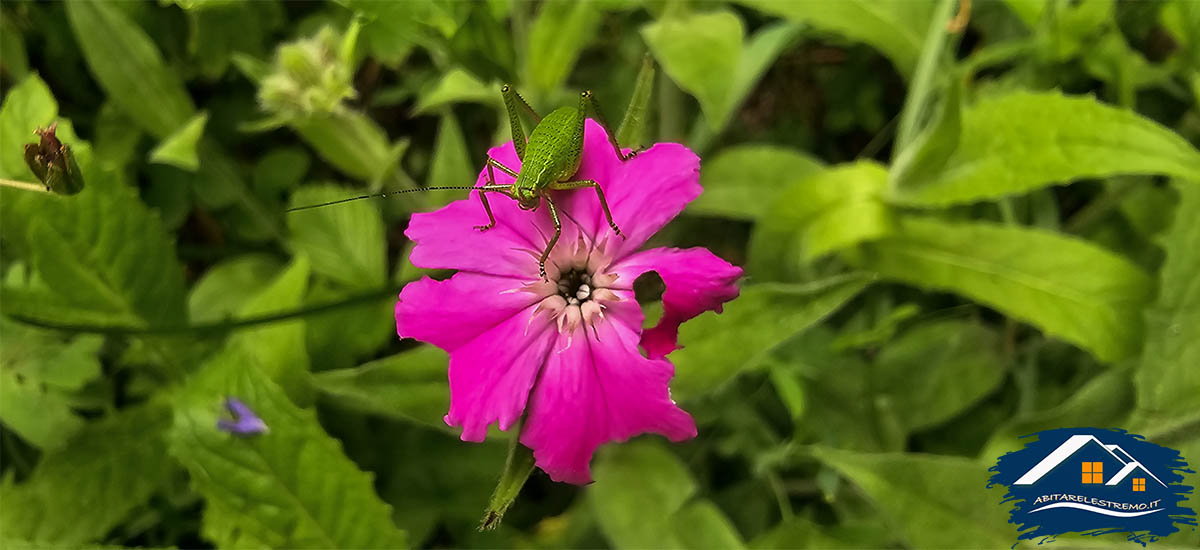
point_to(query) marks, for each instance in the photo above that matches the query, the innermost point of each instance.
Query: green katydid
(549, 160)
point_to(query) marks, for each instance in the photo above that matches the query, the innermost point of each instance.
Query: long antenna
(390, 193)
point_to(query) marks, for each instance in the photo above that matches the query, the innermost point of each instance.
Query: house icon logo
(1094, 481)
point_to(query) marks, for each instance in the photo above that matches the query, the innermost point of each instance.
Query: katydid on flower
(549, 160)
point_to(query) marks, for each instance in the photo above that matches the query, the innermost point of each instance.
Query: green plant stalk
(220, 326)
(23, 185)
(924, 76)
(517, 468)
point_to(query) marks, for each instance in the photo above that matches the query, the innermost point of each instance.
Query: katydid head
(528, 198)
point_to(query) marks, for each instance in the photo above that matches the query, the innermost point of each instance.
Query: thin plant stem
(220, 326)
(924, 76)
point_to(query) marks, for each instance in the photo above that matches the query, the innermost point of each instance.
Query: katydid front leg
(491, 187)
(564, 185)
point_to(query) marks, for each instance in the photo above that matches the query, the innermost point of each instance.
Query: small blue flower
(244, 422)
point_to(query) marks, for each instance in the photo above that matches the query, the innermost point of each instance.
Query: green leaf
(38, 373)
(556, 39)
(937, 370)
(741, 182)
(1167, 377)
(225, 287)
(452, 164)
(102, 252)
(701, 524)
(1027, 140)
(85, 489)
(345, 241)
(409, 386)
(933, 501)
(13, 56)
(717, 347)
(828, 211)
(179, 148)
(278, 348)
(129, 68)
(456, 86)
(1067, 287)
(353, 143)
(639, 486)
(700, 52)
(894, 27)
(797, 532)
(290, 486)
(27, 107)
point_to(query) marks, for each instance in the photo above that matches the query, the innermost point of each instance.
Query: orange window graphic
(1093, 472)
(1139, 484)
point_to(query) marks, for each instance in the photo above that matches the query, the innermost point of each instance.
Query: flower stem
(924, 75)
(517, 468)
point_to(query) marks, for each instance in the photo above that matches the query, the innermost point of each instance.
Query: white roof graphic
(1073, 444)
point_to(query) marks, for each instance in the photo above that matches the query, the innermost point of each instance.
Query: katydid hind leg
(581, 184)
(612, 136)
(513, 101)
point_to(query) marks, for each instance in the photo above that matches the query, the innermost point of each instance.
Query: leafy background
(951, 239)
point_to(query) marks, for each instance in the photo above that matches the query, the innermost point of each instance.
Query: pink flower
(565, 353)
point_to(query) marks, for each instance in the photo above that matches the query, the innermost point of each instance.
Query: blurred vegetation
(953, 235)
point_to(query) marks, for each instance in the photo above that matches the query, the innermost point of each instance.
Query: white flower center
(578, 291)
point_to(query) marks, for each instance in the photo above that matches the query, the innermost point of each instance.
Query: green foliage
(1023, 141)
(291, 486)
(1066, 287)
(82, 490)
(950, 239)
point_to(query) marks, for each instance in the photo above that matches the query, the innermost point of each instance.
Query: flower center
(575, 286)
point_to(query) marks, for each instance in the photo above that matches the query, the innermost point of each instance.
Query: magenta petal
(450, 313)
(490, 376)
(598, 389)
(696, 281)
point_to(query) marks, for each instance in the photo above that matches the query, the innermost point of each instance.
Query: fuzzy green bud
(310, 76)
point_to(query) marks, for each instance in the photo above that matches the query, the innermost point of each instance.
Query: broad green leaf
(1167, 377)
(27, 107)
(129, 68)
(344, 241)
(281, 170)
(456, 86)
(556, 39)
(452, 164)
(338, 338)
(700, 524)
(937, 370)
(717, 347)
(639, 487)
(13, 56)
(1027, 140)
(179, 148)
(933, 501)
(38, 373)
(741, 182)
(288, 487)
(894, 27)
(797, 532)
(116, 138)
(1066, 287)
(225, 287)
(409, 386)
(278, 348)
(102, 252)
(78, 493)
(700, 52)
(827, 211)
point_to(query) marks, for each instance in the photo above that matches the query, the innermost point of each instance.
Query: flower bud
(309, 77)
(53, 164)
